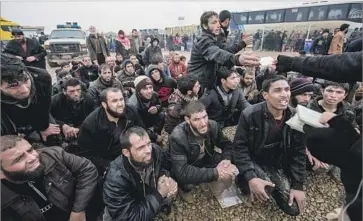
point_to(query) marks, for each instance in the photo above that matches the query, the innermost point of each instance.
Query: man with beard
(119, 59)
(47, 184)
(139, 70)
(88, 72)
(71, 107)
(162, 85)
(337, 43)
(97, 47)
(249, 86)
(100, 132)
(105, 80)
(122, 44)
(320, 45)
(127, 77)
(62, 76)
(207, 56)
(188, 89)
(25, 100)
(268, 153)
(148, 106)
(135, 42)
(225, 102)
(301, 92)
(26, 49)
(137, 185)
(192, 150)
(177, 69)
(151, 51)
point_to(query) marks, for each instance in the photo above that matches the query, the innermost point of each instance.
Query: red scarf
(124, 41)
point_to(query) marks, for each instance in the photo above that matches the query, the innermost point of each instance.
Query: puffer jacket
(217, 109)
(69, 180)
(126, 196)
(127, 81)
(206, 57)
(344, 108)
(184, 153)
(251, 134)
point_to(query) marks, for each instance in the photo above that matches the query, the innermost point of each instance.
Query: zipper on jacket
(31, 184)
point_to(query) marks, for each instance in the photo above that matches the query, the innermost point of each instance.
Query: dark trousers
(281, 191)
(206, 162)
(156, 122)
(101, 58)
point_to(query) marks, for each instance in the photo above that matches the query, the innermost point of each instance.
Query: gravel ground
(323, 196)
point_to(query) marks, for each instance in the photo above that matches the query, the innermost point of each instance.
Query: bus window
(318, 13)
(337, 12)
(275, 16)
(296, 14)
(256, 17)
(240, 18)
(355, 13)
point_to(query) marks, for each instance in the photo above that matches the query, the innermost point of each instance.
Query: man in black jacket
(47, 184)
(127, 77)
(320, 45)
(206, 55)
(192, 150)
(26, 49)
(151, 51)
(147, 103)
(25, 100)
(163, 85)
(100, 132)
(332, 100)
(340, 145)
(105, 80)
(225, 102)
(88, 72)
(137, 185)
(268, 153)
(71, 107)
(188, 89)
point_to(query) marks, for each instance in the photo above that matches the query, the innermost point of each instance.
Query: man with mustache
(99, 136)
(137, 185)
(47, 184)
(268, 153)
(207, 55)
(105, 80)
(71, 107)
(26, 49)
(192, 150)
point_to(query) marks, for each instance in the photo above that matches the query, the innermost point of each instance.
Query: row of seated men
(123, 163)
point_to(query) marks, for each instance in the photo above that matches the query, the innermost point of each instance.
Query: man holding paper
(268, 153)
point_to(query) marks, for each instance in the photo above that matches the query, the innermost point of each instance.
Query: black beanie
(223, 15)
(299, 86)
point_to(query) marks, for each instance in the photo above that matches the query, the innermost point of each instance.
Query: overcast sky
(112, 16)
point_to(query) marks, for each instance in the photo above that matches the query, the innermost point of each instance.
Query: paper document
(305, 116)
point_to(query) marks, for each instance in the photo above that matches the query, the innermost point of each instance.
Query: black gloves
(284, 63)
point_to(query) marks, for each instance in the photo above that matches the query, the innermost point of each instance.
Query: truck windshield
(67, 34)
